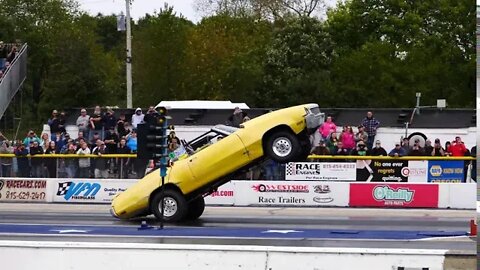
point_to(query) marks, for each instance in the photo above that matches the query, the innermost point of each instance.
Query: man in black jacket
(378, 150)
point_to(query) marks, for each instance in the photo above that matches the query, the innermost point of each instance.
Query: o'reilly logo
(386, 193)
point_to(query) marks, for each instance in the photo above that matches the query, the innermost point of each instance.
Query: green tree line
(376, 53)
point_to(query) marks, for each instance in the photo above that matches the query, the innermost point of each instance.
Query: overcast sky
(139, 7)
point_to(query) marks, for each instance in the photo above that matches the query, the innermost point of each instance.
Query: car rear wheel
(282, 147)
(195, 208)
(175, 205)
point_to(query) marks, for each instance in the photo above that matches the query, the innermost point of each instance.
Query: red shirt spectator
(457, 148)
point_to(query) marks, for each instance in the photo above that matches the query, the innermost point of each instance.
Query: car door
(217, 160)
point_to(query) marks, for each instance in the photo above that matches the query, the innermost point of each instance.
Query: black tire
(195, 209)
(283, 147)
(175, 205)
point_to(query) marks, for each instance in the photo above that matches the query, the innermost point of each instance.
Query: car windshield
(214, 135)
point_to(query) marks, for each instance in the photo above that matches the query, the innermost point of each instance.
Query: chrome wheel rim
(169, 208)
(282, 146)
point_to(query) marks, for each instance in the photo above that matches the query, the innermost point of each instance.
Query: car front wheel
(282, 147)
(175, 206)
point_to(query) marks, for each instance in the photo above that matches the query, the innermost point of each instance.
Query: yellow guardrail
(310, 157)
(392, 158)
(72, 156)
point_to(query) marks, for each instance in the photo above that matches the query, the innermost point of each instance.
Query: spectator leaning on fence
(21, 153)
(416, 149)
(37, 163)
(71, 164)
(438, 150)
(83, 163)
(5, 162)
(378, 150)
(371, 125)
(51, 163)
(101, 167)
(428, 148)
(398, 151)
(360, 150)
(457, 148)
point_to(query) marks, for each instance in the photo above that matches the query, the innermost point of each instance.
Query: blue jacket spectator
(398, 151)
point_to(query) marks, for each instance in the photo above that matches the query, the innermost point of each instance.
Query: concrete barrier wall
(21, 255)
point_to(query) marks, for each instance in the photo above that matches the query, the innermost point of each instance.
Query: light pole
(129, 56)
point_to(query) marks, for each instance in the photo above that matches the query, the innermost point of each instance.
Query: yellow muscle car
(214, 157)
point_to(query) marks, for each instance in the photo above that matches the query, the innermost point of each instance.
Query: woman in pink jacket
(327, 128)
(348, 138)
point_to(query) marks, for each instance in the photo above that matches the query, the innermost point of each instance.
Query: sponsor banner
(416, 171)
(326, 171)
(223, 196)
(89, 190)
(394, 195)
(288, 193)
(446, 171)
(382, 170)
(23, 190)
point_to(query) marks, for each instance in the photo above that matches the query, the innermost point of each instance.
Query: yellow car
(214, 157)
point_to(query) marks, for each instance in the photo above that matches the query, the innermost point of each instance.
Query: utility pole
(129, 57)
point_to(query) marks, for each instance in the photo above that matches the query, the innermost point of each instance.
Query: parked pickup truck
(213, 158)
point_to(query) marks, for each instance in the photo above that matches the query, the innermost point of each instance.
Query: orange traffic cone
(473, 227)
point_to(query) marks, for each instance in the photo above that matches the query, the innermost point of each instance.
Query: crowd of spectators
(99, 134)
(8, 52)
(361, 142)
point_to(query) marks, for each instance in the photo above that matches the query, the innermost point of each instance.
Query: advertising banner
(416, 171)
(89, 190)
(382, 170)
(223, 196)
(288, 193)
(23, 190)
(324, 171)
(446, 171)
(394, 195)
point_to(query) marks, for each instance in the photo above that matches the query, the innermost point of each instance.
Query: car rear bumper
(112, 212)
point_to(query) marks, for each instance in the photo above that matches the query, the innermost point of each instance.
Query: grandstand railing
(128, 166)
(13, 79)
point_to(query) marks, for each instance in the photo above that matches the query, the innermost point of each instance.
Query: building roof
(202, 104)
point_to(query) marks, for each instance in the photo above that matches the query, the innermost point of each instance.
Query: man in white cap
(83, 122)
(137, 117)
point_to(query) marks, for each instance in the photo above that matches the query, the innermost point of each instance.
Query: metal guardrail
(13, 79)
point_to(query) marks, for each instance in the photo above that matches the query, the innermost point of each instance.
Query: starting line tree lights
(152, 139)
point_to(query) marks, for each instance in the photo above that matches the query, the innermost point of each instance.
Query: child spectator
(332, 142)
